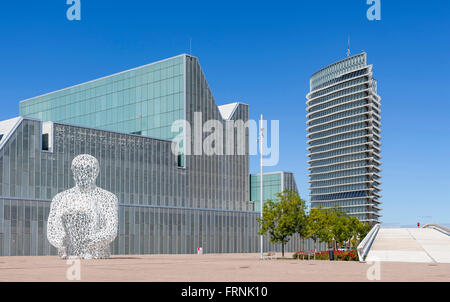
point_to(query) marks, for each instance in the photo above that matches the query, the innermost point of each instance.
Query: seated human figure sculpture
(83, 221)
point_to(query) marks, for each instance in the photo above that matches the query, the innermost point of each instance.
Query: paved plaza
(214, 268)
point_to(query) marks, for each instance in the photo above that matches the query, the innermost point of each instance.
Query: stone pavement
(214, 268)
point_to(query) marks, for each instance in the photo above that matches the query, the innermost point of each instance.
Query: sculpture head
(85, 169)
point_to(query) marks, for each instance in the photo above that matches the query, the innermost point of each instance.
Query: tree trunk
(282, 249)
(315, 248)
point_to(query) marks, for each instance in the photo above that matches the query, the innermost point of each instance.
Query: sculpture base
(103, 253)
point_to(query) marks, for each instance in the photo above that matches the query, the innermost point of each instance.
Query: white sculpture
(83, 221)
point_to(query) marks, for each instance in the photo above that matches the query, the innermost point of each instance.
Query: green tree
(354, 225)
(341, 228)
(317, 226)
(362, 229)
(334, 225)
(297, 208)
(283, 218)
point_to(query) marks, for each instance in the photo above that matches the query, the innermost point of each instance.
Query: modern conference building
(168, 202)
(344, 138)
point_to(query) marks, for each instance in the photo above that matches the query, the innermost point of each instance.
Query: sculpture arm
(55, 228)
(108, 232)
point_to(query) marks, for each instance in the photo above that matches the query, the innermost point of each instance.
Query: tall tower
(344, 138)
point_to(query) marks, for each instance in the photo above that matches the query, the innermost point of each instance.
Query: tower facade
(344, 138)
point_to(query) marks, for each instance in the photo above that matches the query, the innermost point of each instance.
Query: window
(137, 133)
(1, 136)
(180, 160)
(45, 142)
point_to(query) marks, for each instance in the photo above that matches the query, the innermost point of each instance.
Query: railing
(366, 243)
(438, 227)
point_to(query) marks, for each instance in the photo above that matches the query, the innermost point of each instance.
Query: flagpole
(261, 129)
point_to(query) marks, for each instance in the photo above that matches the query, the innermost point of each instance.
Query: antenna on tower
(348, 46)
(190, 46)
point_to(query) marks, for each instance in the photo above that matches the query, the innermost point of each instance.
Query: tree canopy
(283, 218)
(287, 216)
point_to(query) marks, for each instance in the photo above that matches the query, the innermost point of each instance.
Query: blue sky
(262, 53)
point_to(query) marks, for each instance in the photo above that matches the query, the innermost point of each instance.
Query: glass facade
(273, 183)
(144, 100)
(344, 138)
